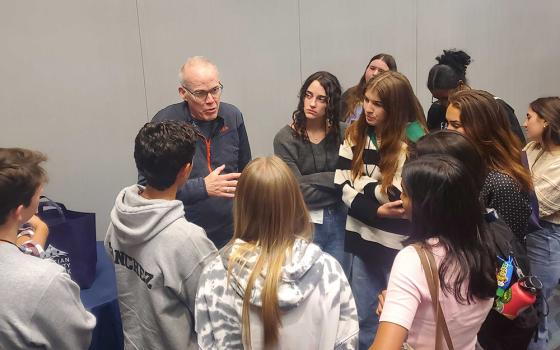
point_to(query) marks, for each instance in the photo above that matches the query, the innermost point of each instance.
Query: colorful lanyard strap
(373, 138)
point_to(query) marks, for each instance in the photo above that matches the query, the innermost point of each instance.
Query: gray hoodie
(41, 307)
(158, 257)
(316, 302)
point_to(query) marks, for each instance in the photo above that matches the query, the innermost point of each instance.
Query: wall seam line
(142, 61)
(299, 39)
(416, 46)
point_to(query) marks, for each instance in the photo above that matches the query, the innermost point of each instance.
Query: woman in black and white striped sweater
(369, 173)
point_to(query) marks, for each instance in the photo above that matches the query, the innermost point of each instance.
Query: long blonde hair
(269, 213)
(401, 107)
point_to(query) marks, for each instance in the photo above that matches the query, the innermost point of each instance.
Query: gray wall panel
(254, 44)
(513, 45)
(71, 86)
(341, 36)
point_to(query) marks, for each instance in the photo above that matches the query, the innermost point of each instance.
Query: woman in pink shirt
(440, 197)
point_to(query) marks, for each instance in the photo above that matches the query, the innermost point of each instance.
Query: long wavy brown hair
(486, 125)
(401, 107)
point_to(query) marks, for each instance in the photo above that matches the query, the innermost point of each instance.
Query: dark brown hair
(332, 89)
(548, 108)
(445, 205)
(457, 145)
(450, 71)
(355, 94)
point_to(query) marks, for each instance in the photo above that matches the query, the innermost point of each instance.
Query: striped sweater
(363, 197)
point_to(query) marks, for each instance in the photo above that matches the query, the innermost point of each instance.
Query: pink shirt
(408, 304)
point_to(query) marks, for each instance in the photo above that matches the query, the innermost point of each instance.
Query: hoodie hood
(136, 219)
(300, 275)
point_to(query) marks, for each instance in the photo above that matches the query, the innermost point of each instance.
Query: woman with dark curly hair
(309, 145)
(449, 75)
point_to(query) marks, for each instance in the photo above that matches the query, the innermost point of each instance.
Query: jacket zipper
(208, 154)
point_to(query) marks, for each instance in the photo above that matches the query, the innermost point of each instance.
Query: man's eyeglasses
(201, 95)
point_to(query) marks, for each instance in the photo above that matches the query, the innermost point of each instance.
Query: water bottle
(520, 296)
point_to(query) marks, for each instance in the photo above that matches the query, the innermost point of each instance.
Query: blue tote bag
(71, 240)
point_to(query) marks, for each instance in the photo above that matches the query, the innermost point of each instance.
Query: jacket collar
(219, 121)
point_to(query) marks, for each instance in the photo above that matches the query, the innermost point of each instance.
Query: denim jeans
(543, 249)
(330, 235)
(369, 276)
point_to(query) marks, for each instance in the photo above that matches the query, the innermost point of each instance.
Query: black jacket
(436, 118)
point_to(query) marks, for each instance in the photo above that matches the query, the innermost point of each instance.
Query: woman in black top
(508, 183)
(449, 76)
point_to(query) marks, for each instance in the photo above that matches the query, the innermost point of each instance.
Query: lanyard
(373, 139)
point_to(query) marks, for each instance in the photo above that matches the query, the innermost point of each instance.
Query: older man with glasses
(222, 148)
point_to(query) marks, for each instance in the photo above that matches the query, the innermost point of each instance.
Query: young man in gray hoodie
(158, 254)
(41, 307)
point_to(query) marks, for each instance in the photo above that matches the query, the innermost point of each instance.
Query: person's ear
(184, 172)
(187, 168)
(182, 92)
(18, 213)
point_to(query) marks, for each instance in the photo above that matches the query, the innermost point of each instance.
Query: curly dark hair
(450, 70)
(162, 149)
(332, 88)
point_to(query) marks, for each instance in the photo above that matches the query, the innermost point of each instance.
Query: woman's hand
(381, 298)
(41, 232)
(392, 210)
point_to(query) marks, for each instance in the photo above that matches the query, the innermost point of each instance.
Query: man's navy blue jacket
(228, 144)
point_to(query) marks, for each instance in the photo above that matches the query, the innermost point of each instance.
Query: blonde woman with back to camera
(270, 287)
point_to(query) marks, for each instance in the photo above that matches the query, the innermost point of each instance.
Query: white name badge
(316, 216)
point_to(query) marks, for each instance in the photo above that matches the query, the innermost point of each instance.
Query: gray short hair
(194, 61)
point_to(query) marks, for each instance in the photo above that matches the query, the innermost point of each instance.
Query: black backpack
(499, 332)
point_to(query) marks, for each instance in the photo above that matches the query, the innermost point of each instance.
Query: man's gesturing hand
(221, 185)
